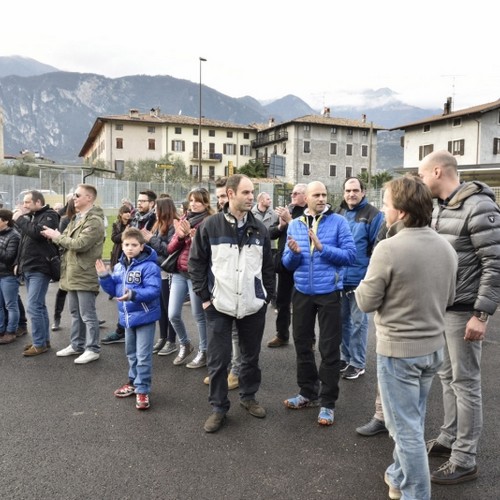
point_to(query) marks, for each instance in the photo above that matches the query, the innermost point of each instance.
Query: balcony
(270, 138)
(207, 157)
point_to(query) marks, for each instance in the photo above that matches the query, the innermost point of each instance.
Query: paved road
(63, 435)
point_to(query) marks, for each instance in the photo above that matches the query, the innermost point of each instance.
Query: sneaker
(142, 401)
(450, 473)
(68, 351)
(351, 372)
(56, 325)
(199, 361)
(233, 382)
(300, 401)
(214, 421)
(169, 348)
(343, 365)
(394, 493)
(113, 338)
(277, 342)
(159, 345)
(34, 350)
(184, 351)
(373, 427)
(435, 449)
(87, 357)
(326, 416)
(125, 390)
(21, 330)
(8, 338)
(253, 407)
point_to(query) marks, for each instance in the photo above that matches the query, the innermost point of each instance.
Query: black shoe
(450, 473)
(343, 365)
(214, 421)
(159, 345)
(435, 449)
(56, 325)
(373, 427)
(351, 372)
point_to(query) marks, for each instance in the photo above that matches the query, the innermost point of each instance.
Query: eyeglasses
(142, 201)
(77, 195)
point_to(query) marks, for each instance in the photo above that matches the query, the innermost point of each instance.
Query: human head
(132, 242)
(166, 212)
(316, 196)
(70, 209)
(84, 197)
(220, 192)
(6, 216)
(58, 206)
(354, 192)
(33, 201)
(199, 200)
(299, 195)
(146, 201)
(438, 171)
(124, 214)
(128, 203)
(263, 201)
(407, 199)
(240, 194)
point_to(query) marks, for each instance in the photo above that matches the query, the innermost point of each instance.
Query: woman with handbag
(185, 228)
(158, 239)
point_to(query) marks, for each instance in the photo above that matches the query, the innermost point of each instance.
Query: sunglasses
(77, 195)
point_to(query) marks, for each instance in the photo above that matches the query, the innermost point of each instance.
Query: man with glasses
(144, 217)
(82, 242)
(285, 277)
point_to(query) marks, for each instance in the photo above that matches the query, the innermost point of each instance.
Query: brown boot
(232, 381)
(34, 351)
(277, 342)
(7, 338)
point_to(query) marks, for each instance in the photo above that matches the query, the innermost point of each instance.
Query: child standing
(136, 284)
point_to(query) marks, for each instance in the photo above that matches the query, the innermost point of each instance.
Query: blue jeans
(404, 386)
(462, 400)
(37, 285)
(139, 342)
(178, 291)
(84, 322)
(9, 290)
(354, 331)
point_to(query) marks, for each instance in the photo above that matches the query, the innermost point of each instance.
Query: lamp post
(199, 131)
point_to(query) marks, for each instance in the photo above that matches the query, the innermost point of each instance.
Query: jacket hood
(147, 254)
(467, 189)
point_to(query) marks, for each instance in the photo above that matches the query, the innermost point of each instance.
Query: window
(348, 171)
(307, 131)
(196, 146)
(364, 170)
(333, 148)
(246, 135)
(151, 144)
(364, 150)
(119, 126)
(211, 172)
(496, 145)
(195, 131)
(307, 146)
(119, 167)
(333, 170)
(306, 169)
(427, 128)
(364, 132)
(119, 143)
(229, 134)
(457, 122)
(425, 150)
(333, 131)
(178, 146)
(350, 131)
(348, 149)
(178, 130)
(457, 147)
(211, 133)
(193, 170)
(245, 150)
(229, 149)
(151, 130)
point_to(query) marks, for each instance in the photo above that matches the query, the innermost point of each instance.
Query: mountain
(51, 112)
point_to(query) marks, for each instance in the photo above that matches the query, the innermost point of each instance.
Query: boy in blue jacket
(136, 284)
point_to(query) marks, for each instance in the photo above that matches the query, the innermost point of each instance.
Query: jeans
(84, 322)
(236, 352)
(181, 285)
(354, 331)
(460, 377)
(9, 290)
(404, 386)
(37, 285)
(139, 342)
(167, 330)
(314, 382)
(220, 330)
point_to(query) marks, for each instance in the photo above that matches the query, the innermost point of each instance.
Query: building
(114, 140)
(317, 147)
(471, 134)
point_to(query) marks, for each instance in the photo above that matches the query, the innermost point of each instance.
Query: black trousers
(283, 302)
(166, 329)
(314, 382)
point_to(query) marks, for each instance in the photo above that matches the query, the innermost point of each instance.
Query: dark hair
(166, 212)
(233, 181)
(361, 183)
(6, 216)
(90, 189)
(221, 182)
(201, 195)
(36, 196)
(413, 197)
(70, 209)
(124, 209)
(150, 194)
(134, 233)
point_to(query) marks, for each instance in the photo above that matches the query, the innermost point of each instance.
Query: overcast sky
(324, 52)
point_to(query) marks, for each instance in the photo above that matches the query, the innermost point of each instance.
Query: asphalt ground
(63, 435)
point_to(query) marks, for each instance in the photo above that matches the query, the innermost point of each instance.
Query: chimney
(447, 106)
(326, 112)
(363, 118)
(271, 122)
(154, 112)
(133, 113)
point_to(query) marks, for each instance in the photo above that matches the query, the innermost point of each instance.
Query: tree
(154, 171)
(253, 168)
(377, 180)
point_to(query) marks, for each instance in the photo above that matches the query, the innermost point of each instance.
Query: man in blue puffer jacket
(320, 245)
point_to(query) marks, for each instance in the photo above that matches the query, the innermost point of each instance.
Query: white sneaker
(68, 351)
(87, 357)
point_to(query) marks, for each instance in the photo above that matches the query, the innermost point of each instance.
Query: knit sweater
(409, 283)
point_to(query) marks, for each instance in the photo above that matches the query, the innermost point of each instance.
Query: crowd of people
(427, 270)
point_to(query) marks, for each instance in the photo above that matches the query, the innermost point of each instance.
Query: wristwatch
(481, 316)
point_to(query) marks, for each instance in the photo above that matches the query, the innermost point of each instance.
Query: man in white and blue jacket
(320, 245)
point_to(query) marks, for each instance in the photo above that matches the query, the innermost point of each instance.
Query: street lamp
(199, 130)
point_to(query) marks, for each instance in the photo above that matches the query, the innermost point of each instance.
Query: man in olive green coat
(82, 243)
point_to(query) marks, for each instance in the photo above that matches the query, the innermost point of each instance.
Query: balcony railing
(264, 139)
(208, 157)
